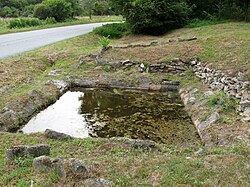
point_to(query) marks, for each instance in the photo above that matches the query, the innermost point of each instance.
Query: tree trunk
(246, 9)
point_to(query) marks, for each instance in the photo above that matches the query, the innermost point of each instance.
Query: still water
(118, 113)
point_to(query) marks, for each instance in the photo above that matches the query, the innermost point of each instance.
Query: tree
(61, 9)
(246, 9)
(154, 16)
(42, 11)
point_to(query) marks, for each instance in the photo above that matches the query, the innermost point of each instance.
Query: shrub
(50, 21)
(60, 9)
(42, 11)
(115, 30)
(8, 12)
(156, 16)
(104, 42)
(24, 22)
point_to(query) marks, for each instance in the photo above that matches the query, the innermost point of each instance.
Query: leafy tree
(154, 16)
(42, 11)
(61, 9)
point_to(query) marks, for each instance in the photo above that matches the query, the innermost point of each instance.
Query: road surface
(16, 43)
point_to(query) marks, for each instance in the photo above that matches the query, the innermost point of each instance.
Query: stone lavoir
(99, 112)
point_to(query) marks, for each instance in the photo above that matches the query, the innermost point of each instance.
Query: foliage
(60, 9)
(115, 30)
(156, 16)
(222, 101)
(42, 11)
(104, 42)
(24, 22)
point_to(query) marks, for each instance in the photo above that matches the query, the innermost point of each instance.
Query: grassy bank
(4, 23)
(225, 46)
(127, 166)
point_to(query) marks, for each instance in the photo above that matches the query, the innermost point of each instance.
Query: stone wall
(236, 87)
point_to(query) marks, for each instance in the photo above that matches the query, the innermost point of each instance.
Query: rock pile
(66, 169)
(236, 87)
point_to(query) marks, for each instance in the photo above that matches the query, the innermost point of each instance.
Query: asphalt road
(16, 43)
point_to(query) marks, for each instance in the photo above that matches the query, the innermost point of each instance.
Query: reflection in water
(63, 116)
(138, 114)
(118, 113)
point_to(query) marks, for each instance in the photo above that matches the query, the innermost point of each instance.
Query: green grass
(200, 23)
(4, 24)
(222, 102)
(128, 166)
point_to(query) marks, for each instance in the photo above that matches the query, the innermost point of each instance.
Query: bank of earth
(32, 81)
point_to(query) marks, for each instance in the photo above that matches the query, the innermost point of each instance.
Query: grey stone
(208, 93)
(169, 87)
(85, 82)
(247, 119)
(15, 152)
(97, 182)
(56, 135)
(121, 83)
(142, 143)
(78, 166)
(191, 100)
(60, 84)
(144, 82)
(212, 119)
(26, 151)
(38, 150)
(47, 164)
(201, 151)
(245, 103)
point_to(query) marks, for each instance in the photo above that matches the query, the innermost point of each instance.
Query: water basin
(118, 113)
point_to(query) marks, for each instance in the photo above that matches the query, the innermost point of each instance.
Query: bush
(50, 21)
(60, 9)
(8, 12)
(42, 11)
(115, 30)
(156, 16)
(24, 22)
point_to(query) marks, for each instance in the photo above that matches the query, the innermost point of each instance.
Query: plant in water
(104, 42)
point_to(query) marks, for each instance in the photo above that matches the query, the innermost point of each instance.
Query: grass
(127, 166)
(4, 24)
(200, 23)
(223, 102)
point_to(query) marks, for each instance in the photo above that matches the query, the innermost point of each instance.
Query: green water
(138, 114)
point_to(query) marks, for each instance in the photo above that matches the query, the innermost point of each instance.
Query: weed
(24, 22)
(222, 101)
(23, 183)
(23, 162)
(104, 42)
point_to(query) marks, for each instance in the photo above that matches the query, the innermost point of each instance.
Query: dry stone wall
(236, 87)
